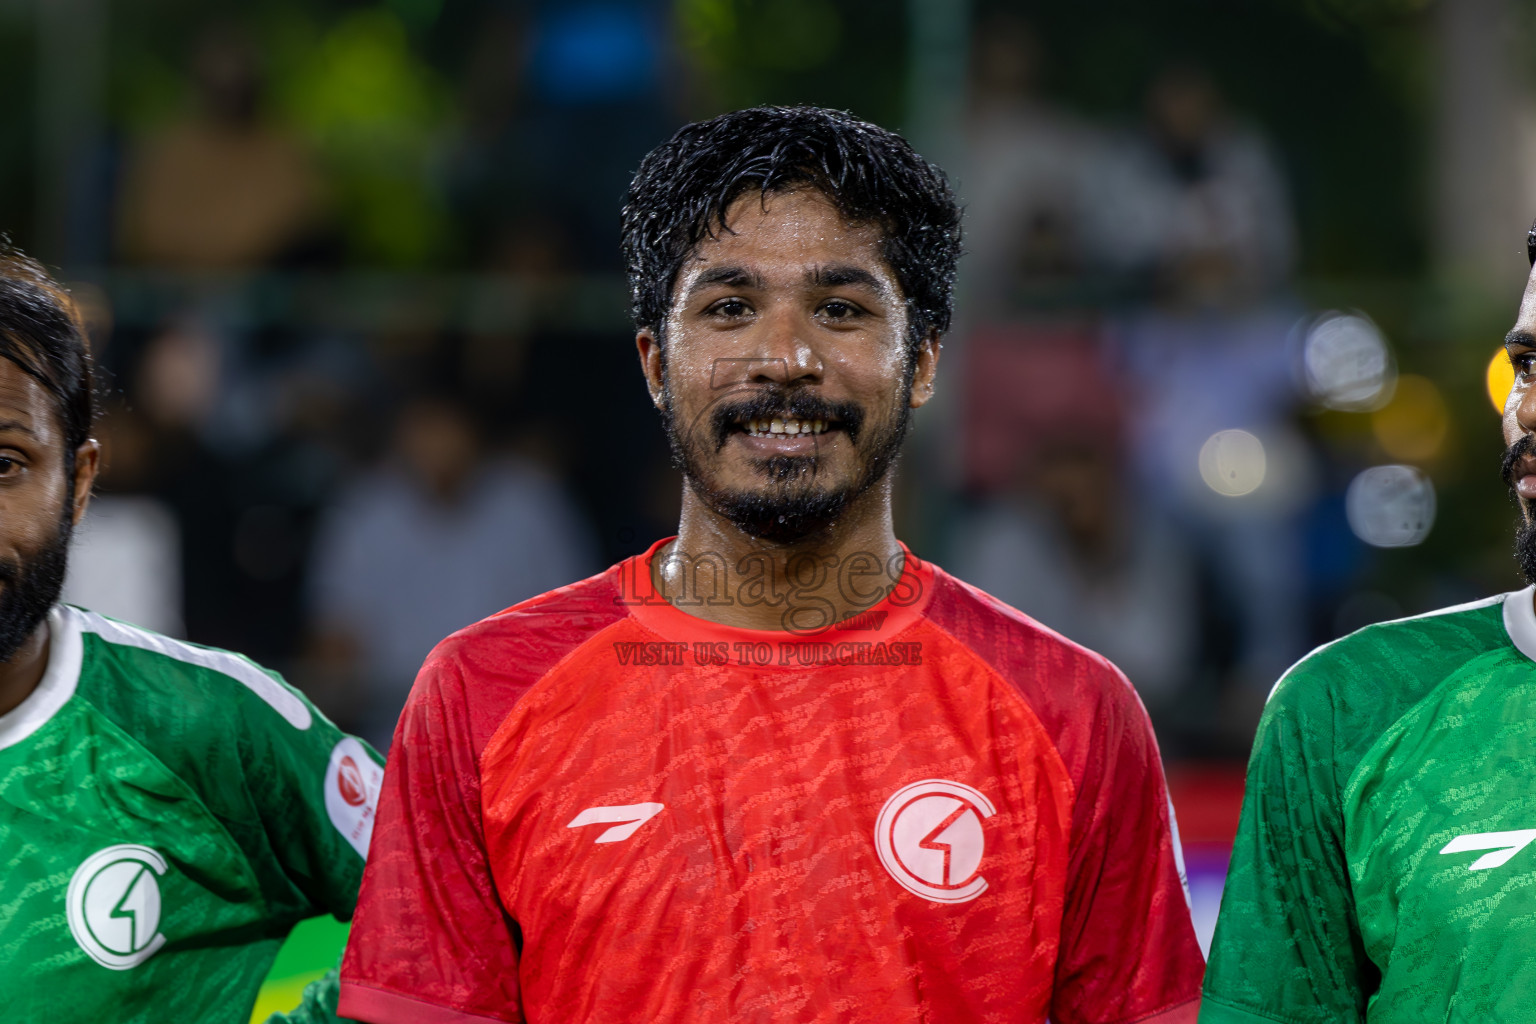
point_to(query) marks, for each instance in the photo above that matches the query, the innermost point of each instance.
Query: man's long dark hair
(684, 187)
(41, 332)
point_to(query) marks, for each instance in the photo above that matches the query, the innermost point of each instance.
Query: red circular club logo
(930, 838)
(350, 781)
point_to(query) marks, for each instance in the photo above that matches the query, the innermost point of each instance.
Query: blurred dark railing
(370, 300)
(358, 301)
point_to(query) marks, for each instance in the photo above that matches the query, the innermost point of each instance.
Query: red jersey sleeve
(1128, 948)
(430, 942)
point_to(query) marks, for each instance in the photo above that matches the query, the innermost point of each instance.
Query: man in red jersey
(775, 768)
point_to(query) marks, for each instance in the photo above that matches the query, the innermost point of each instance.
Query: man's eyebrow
(18, 426)
(1520, 337)
(736, 277)
(837, 275)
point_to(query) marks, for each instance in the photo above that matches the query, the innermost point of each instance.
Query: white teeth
(760, 428)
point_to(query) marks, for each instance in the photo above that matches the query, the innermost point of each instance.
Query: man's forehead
(799, 231)
(791, 209)
(22, 397)
(1526, 320)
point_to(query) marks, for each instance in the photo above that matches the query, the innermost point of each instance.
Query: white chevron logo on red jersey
(632, 816)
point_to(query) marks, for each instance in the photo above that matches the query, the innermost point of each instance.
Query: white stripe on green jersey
(283, 699)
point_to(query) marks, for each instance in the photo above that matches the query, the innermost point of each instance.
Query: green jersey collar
(58, 682)
(1520, 620)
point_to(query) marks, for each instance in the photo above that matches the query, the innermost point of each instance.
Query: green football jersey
(167, 813)
(1383, 869)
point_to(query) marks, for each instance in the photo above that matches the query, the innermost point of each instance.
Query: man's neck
(715, 571)
(24, 671)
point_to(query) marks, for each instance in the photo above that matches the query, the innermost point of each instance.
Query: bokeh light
(1232, 462)
(1414, 424)
(1500, 379)
(1390, 506)
(1348, 363)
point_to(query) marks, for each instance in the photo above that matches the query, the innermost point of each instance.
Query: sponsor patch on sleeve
(352, 783)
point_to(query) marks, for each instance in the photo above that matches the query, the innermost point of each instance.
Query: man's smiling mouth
(775, 419)
(785, 427)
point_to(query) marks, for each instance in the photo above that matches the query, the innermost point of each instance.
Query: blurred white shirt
(400, 570)
(125, 562)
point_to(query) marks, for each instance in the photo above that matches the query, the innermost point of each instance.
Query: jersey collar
(57, 685)
(881, 621)
(1520, 620)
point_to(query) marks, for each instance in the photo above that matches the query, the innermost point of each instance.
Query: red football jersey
(601, 808)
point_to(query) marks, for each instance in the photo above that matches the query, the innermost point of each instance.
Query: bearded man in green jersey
(167, 811)
(1384, 868)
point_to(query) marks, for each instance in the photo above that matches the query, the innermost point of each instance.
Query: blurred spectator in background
(242, 500)
(1069, 538)
(1055, 525)
(221, 188)
(436, 537)
(1153, 260)
(562, 101)
(176, 394)
(1027, 179)
(1195, 201)
(1072, 551)
(1202, 213)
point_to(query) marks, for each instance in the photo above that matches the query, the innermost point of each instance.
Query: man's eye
(9, 467)
(1525, 363)
(839, 310)
(729, 307)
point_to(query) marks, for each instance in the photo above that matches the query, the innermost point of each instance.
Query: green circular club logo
(114, 905)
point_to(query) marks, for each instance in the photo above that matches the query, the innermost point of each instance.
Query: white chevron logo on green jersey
(1504, 844)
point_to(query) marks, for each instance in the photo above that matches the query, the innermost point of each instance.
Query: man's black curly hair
(684, 187)
(41, 332)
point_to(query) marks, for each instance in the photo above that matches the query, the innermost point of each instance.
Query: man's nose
(1525, 411)
(785, 354)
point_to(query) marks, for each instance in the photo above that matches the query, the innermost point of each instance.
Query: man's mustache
(785, 404)
(1521, 449)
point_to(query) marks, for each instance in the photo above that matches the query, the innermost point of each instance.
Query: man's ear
(649, 348)
(87, 465)
(925, 368)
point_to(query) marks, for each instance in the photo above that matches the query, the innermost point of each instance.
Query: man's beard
(28, 589)
(1525, 532)
(792, 507)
